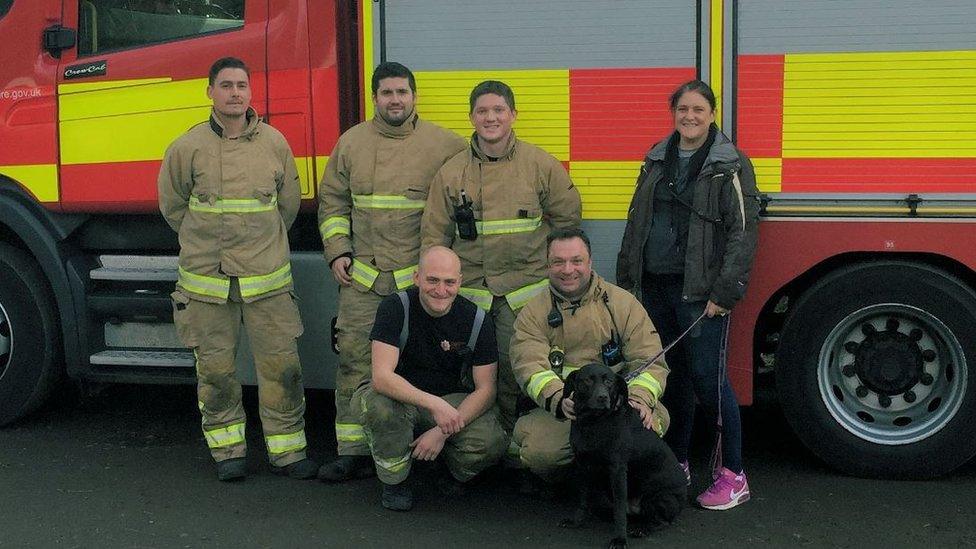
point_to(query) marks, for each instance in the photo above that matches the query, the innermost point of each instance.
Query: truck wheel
(877, 370)
(30, 340)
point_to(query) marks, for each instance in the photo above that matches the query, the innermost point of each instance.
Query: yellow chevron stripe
(769, 174)
(541, 99)
(889, 104)
(40, 179)
(605, 187)
(146, 117)
(717, 47)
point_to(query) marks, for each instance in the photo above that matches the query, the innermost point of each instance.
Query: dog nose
(603, 400)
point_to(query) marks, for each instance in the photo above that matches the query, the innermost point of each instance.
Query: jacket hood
(396, 132)
(722, 151)
(595, 291)
(249, 130)
(507, 155)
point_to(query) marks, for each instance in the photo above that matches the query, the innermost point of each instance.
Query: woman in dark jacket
(689, 245)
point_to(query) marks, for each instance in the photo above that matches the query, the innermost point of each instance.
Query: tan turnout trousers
(273, 326)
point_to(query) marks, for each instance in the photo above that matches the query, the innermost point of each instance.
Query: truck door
(136, 80)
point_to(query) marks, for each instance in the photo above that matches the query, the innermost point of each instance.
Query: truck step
(136, 268)
(155, 359)
(142, 304)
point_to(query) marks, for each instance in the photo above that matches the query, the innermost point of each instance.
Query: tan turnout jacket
(517, 200)
(602, 309)
(231, 201)
(373, 194)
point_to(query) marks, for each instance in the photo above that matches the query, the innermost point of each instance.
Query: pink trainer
(728, 490)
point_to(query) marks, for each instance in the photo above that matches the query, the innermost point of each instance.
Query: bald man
(437, 377)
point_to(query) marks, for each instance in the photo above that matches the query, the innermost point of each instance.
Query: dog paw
(618, 543)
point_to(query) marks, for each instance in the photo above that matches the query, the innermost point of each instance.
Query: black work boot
(347, 468)
(232, 469)
(302, 470)
(397, 497)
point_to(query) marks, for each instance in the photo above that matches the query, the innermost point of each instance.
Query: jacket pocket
(183, 320)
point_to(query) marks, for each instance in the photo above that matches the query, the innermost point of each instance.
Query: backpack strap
(479, 319)
(406, 318)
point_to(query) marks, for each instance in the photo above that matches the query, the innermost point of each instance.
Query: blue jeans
(697, 368)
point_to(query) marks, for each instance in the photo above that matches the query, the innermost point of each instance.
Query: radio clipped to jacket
(464, 218)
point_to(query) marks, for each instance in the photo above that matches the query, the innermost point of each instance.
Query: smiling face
(693, 115)
(439, 278)
(492, 119)
(570, 266)
(230, 93)
(394, 100)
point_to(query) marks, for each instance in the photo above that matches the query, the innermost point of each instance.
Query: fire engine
(859, 116)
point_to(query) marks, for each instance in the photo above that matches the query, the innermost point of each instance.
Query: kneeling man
(433, 374)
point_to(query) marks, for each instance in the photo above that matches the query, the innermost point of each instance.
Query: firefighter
(370, 204)
(229, 187)
(434, 364)
(494, 204)
(581, 319)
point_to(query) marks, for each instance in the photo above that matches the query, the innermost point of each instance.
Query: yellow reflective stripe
(386, 202)
(257, 285)
(648, 382)
(223, 437)
(333, 226)
(349, 432)
(518, 298)
(203, 285)
(282, 444)
(243, 205)
(567, 369)
(363, 273)
(481, 298)
(538, 381)
(392, 465)
(404, 277)
(509, 226)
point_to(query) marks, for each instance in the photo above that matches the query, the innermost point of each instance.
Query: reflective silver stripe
(349, 432)
(392, 465)
(203, 285)
(404, 277)
(282, 444)
(518, 298)
(509, 226)
(223, 437)
(363, 273)
(538, 381)
(386, 202)
(481, 298)
(648, 382)
(257, 285)
(334, 225)
(233, 205)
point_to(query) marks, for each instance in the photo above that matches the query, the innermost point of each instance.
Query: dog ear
(623, 394)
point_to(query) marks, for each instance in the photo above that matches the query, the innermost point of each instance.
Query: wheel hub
(889, 362)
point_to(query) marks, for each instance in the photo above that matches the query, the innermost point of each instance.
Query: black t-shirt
(424, 362)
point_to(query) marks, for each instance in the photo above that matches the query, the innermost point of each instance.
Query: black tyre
(877, 370)
(30, 343)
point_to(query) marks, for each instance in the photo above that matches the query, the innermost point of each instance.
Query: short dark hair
(392, 69)
(227, 63)
(568, 234)
(496, 87)
(693, 86)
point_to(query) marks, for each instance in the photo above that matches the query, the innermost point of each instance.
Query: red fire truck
(860, 118)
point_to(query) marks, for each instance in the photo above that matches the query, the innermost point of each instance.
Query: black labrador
(615, 451)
